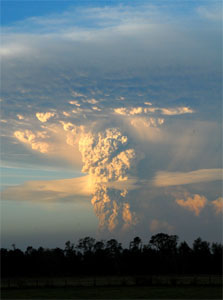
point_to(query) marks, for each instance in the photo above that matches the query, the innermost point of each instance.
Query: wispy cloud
(51, 190)
(212, 12)
(164, 178)
(149, 110)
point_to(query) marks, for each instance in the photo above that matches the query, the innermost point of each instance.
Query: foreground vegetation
(115, 293)
(93, 269)
(162, 255)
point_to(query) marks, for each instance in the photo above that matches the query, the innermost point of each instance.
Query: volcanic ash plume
(107, 159)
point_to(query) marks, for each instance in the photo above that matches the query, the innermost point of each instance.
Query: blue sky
(111, 120)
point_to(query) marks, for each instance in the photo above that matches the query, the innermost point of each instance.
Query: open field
(117, 287)
(104, 281)
(115, 293)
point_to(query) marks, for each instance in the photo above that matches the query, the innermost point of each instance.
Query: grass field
(109, 281)
(115, 293)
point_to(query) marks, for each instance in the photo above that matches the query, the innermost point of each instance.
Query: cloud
(158, 226)
(164, 178)
(194, 204)
(96, 108)
(14, 50)
(35, 140)
(44, 117)
(66, 114)
(20, 117)
(76, 94)
(74, 102)
(113, 106)
(218, 205)
(91, 101)
(176, 111)
(75, 189)
(148, 110)
(212, 12)
(107, 158)
(146, 122)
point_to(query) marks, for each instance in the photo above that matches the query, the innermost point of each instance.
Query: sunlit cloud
(91, 101)
(149, 110)
(74, 102)
(34, 140)
(71, 190)
(194, 204)
(218, 205)
(44, 117)
(135, 93)
(107, 158)
(164, 178)
(20, 117)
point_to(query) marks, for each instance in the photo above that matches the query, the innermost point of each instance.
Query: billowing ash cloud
(35, 140)
(107, 158)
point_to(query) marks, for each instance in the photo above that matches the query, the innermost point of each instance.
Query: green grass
(115, 293)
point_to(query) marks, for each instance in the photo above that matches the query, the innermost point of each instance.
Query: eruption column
(107, 159)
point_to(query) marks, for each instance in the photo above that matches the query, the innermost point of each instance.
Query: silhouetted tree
(136, 244)
(164, 243)
(217, 255)
(184, 258)
(90, 257)
(86, 245)
(113, 247)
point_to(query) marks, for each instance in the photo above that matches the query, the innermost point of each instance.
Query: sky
(111, 120)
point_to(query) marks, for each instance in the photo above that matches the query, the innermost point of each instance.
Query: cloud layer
(129, 96)
(178, 178)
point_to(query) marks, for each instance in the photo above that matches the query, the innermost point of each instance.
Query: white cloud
(14, 50)
(212, 12)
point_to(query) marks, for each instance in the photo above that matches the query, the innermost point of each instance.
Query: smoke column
(107, 158)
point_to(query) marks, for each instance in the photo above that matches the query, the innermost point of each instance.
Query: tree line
(162, 255)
